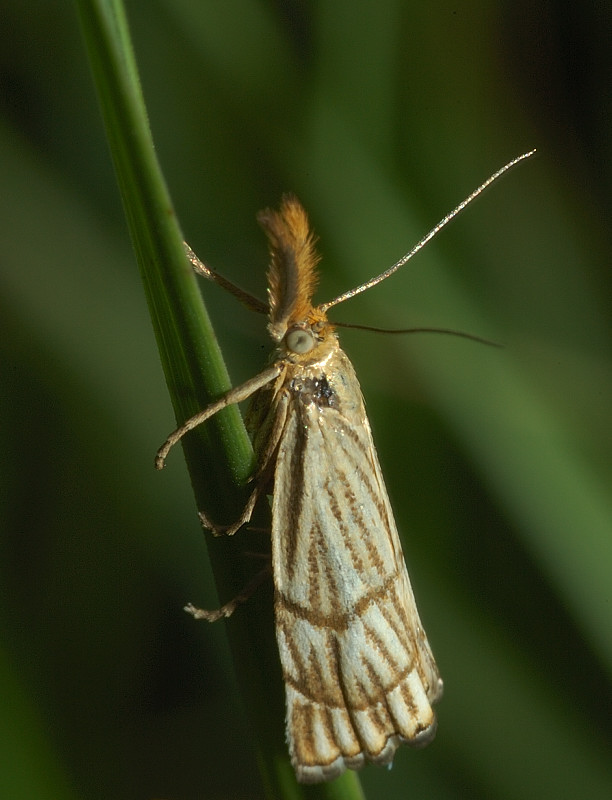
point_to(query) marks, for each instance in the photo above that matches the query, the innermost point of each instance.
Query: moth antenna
(436, 229)
(448, 331)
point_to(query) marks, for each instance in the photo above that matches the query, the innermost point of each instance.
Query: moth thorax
(300, 340)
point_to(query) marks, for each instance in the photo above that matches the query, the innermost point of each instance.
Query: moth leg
(245, 516)
(248, 300)
(236, 395)
(261, 477)
(228, 609)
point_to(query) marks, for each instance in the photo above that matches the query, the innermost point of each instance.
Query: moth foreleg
(236, 395)
(228, 609)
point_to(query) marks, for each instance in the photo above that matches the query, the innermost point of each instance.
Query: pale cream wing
(359, 674)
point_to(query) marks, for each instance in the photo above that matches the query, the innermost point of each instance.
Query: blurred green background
(381, 117)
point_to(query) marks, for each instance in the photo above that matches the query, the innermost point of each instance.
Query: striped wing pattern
(359, 673)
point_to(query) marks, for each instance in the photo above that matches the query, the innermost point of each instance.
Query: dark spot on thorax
(315, 390)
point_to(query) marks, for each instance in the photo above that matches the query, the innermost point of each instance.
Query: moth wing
(359, 673)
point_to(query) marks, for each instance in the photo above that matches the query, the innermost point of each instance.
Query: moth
(360, 677)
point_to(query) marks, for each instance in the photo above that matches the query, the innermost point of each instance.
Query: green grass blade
(219, 459)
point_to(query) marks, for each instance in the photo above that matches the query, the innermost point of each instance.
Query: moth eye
(299, 341)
